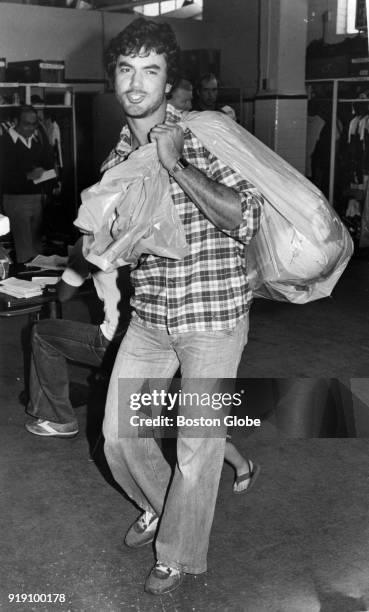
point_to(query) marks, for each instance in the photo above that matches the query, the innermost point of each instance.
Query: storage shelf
(342, 80)
(341, 99)
(37, 105)
(52, 105)
(43, 85)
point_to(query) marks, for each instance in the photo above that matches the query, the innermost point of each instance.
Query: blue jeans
(187, 507)
(53, 343)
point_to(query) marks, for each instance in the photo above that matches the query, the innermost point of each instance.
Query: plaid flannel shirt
(208, 289)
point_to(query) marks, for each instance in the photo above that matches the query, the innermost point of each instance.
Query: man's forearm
(219, 203)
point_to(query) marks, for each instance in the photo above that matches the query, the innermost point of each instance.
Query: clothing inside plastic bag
(130, 212)
(302, 247)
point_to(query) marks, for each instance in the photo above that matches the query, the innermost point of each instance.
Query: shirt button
(171, 282)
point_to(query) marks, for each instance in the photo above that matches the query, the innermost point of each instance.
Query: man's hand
(35, 174)
(169, 141)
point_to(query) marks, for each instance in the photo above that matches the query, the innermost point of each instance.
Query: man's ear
(168, 88)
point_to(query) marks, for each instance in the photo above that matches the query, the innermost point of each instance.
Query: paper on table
(42, 281)
(4, 225)
(20, 288)
(51, 262)
(47, 175)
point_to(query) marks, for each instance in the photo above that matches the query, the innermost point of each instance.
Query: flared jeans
(184, 501)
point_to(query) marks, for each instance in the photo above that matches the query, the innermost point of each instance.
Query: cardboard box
(36, 71)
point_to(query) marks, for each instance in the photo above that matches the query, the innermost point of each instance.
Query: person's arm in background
(1, 170)
(75, 274)
(45, 158)
(48, 160)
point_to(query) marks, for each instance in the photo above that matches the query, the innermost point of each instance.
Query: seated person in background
(24, 157)
(181, 95)
(54, 341)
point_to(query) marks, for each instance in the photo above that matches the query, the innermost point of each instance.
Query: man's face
(27, 124)
(208, 93)
(141, 83)
(182, 99)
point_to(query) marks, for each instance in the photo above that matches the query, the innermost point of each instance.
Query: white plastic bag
(130, 212)
(302, 247)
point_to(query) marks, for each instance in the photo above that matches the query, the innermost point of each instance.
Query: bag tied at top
(302, 247)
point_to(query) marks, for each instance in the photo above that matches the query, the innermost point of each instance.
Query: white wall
(38, 32)
(190, 34)
(76, 36)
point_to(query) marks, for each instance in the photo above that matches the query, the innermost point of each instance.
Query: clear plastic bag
(130, 212)
(302, 247)
(284, 264)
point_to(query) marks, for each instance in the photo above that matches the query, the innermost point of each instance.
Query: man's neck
(140, 127)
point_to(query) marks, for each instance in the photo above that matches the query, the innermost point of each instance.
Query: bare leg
(239, 463)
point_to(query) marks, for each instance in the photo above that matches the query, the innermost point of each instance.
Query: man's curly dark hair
(144, 35)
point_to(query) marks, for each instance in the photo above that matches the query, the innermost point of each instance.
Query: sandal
(251, 475)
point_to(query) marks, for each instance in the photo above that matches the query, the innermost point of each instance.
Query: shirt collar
(16, 136)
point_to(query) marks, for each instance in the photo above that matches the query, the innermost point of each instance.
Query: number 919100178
(36, 597)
